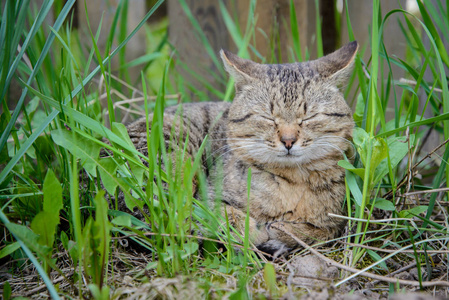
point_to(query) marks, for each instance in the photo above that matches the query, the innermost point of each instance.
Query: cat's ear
(338, 65)
(244, 71)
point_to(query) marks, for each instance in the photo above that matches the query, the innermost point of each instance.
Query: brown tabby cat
(290, 124)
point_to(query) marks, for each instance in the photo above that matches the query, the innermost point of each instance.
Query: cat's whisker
(338, 137)
(227, 131)
(230, 150)
(236, 139)
(231, 144)
(334, 136)
(330, 145)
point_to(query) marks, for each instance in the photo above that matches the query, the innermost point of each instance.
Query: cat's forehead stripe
(291, 80)
(286, 73)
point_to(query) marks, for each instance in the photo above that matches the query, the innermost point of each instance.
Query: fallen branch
(414, 83)
(424, 192)
(356, 271)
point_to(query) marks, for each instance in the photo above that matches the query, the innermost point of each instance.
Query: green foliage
(96, 235)
(45, 222)
(269, 275)
(6, 291)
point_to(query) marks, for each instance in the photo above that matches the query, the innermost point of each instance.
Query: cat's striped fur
(291, 125)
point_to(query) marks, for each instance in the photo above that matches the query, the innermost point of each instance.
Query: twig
(391, 250)
(403, 180)
(424, 192)
(354, 270)
(430, 153)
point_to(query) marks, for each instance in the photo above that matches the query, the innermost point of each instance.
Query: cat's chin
(295, 159)
(289, 161)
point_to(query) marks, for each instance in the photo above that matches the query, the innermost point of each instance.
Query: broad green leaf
(32, 106)
(107, 173)
(359, 136)
(52, 195)
(64, 240)
(378, 147)
(361, 139)
(84, 149)
(190, 247)
(44, 224)
(398, 149)
(269, 275)
(348, 166)
(379, 153)
(409, 213)
(101, 224)
(73, 251)
(132, 202)
(88, 151)
(46, 221)
(98, 294)
(138, 224)
(123, 220)
(7, 250)
(29, 238)
(384, 204)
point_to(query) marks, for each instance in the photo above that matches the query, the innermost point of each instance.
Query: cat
(290, 124)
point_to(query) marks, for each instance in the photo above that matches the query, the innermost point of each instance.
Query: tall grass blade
(319, 38)
(295, 32)
(73, 93)
(59, 21)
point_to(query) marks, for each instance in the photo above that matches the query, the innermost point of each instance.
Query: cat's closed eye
(267, 119)
(310, 117)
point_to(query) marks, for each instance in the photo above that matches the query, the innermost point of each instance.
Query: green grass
(52, 217)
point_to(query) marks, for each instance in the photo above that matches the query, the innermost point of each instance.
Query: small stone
(311, 271)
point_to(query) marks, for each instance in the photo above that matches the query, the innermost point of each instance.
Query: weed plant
(60, 180)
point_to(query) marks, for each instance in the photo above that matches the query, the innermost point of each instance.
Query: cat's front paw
(275, 248)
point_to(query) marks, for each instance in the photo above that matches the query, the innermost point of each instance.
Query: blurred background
(193, 32)
(272, 39)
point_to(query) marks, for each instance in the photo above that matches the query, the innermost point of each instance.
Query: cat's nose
(288, 142)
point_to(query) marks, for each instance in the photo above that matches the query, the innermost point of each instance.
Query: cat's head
(290, 114)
